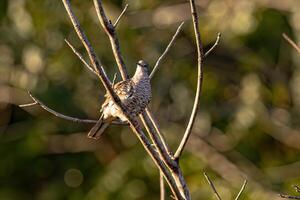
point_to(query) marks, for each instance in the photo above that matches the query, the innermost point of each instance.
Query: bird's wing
(124, 90)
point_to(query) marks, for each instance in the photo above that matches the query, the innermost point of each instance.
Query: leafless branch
(120, 16)
(199, 82)
(292, 43)
(212, 186)
(80, 57)
(162, 186)
(166, 50)
(241, 190)
(57, 114)
(213, 46)
(28, 104)
(110, 31)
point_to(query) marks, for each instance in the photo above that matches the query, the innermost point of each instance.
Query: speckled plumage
(135, 95)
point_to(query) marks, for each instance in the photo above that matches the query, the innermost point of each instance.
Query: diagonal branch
(291, 42)
(199, 82)
(241, 190)
(57, 114)
(80, 57)
(120, 16)
(166, 50)
(213, 46)
(212, 186)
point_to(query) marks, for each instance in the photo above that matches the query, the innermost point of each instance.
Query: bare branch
(166, 50)
(162, 186)
(121, 15)
(199, 82)
(213, 46)
(241, 190)
(212, 186)
(80, 57)
(57, 114)
(110, 31)
(292, 43)
(114, 80)
(28, 104)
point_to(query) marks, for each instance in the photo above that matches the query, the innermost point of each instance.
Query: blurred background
(247, 128)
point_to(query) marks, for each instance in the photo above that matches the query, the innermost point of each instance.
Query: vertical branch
(199, 82)
(110, 31)
(162, 186)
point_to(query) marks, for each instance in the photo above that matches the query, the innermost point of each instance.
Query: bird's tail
(98, 129)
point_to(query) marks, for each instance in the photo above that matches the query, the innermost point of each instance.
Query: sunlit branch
(166, 50)
(199, 82)
(120, 16)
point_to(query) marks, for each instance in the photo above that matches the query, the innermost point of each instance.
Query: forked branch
(199, 81)
(120, 16)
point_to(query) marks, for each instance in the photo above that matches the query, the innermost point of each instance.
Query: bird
(135, 95)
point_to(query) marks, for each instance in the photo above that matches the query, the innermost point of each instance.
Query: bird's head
(143, 65)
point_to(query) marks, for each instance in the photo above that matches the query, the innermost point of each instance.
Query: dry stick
(120, 16)
(162, 186)
(213, 46)
(158, 143)
(133, 122)
(199, 82)
(28, 104)
(241, 190)
(80, 57)
(110, 31)
(62, 116)
(289, 40)
(160, 135)
(166, 50)
(57, 114)
(212, 186)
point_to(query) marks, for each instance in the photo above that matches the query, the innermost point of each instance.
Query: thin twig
(166, 50)
(213, 46)
(286, 196)
(162, 186)
(199, 82)
(114, 80)
(120, 16)
(241, 190)
(80, 57)
(57, 114)
(212, 186)
(28, 104)
(292, 43)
